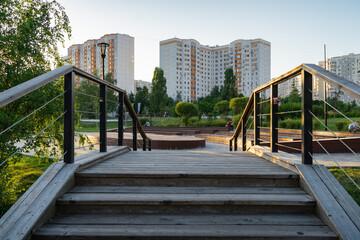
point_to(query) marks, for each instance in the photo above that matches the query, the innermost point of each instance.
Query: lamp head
(103, 46)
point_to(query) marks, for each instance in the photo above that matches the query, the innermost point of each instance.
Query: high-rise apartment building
(119, 58)
(192, 70)
(348, 67)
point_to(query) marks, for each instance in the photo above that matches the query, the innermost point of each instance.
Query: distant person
(353, 127)
(229, 124)
(147, 124)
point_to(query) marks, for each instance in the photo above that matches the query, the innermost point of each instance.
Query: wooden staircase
(118, 200)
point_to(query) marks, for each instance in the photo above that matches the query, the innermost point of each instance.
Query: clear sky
(297, 30)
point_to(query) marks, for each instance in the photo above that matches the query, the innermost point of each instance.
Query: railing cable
(32, 113)
(32, 138)
(89, 95)
(335, 135)
(335, 161)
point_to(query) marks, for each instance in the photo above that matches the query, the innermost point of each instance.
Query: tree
(215, 92)
(30, 31)
(186, 110)
(238, 104)
(143, 97)
(158, 93)
(222, 107)
(228, 91)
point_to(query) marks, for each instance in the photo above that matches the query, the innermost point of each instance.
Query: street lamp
(103, 46)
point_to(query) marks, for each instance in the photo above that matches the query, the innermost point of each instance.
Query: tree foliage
(228, 91)
(222, 107)
(238, 104)
(186, 110)
(30, 31)
(143, 97)
(158, 93)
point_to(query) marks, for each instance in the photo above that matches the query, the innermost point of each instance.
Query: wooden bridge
(204, 193)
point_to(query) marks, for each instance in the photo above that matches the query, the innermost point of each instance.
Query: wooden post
(144, 144)
(69, 149)
(306, 117)
(134, 135)
(235, 143)
(121, 120)
(256, 119)
(230, 145)
(149, 145)
(103, 137)
(274, 119)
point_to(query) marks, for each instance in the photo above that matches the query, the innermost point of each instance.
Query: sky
(297, 30)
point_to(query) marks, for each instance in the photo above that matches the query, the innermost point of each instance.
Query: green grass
(354, 173)
(332, 121)
(17, 177)
(94, 126)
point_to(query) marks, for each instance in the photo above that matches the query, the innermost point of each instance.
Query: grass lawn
(332, 121)
(345, 181)
(17, 177)
(94, 126)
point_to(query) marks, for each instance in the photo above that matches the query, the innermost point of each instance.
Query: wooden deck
(214, 159)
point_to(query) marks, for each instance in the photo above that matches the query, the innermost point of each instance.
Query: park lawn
(94, 126)
(17, 177)
(354, 173)
(332, 121)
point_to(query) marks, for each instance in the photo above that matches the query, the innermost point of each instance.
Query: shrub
(316, 124)
(222, 107)
(143, 120)
(236, 120)
(220, 122)
(186, 110)
(341, 125)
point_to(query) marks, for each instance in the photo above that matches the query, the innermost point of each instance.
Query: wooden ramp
(207, 193)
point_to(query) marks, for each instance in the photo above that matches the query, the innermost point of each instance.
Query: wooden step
(170, 201)
(60, 231)
(219, 179)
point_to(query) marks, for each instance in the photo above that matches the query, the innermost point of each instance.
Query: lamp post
(103, 121)
(103, 46)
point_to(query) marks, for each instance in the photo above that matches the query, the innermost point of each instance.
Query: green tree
(158, 93)
(186, 110)
(228, 91)
(143, 97)
(30, 31)
(222, 107)
(238, 104)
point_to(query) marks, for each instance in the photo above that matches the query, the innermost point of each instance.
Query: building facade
(192, 70)
(141, 84)
(119, 58)
(348, 67)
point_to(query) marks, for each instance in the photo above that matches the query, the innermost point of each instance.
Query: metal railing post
(256, 119)
(243, 137)
(235, 143)
(134, 135)
(144, 144)
(103, 122)
(121, 120)
(306, 117)
(230, 145)
(149, 145)
(274, 118)
(69, 149)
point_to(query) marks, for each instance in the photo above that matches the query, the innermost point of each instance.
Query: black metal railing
(307, 73)
(69, 73)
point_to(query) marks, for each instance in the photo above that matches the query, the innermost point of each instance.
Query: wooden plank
(334, 214)
(186, 199)
(41, 204)
(198, 219)
(18, 209)
(340, 194)
(208, 190)
(176, 231)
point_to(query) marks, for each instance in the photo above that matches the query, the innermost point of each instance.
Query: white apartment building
(141, 84)
(193, 70)
(348, 67)
(119, 58)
